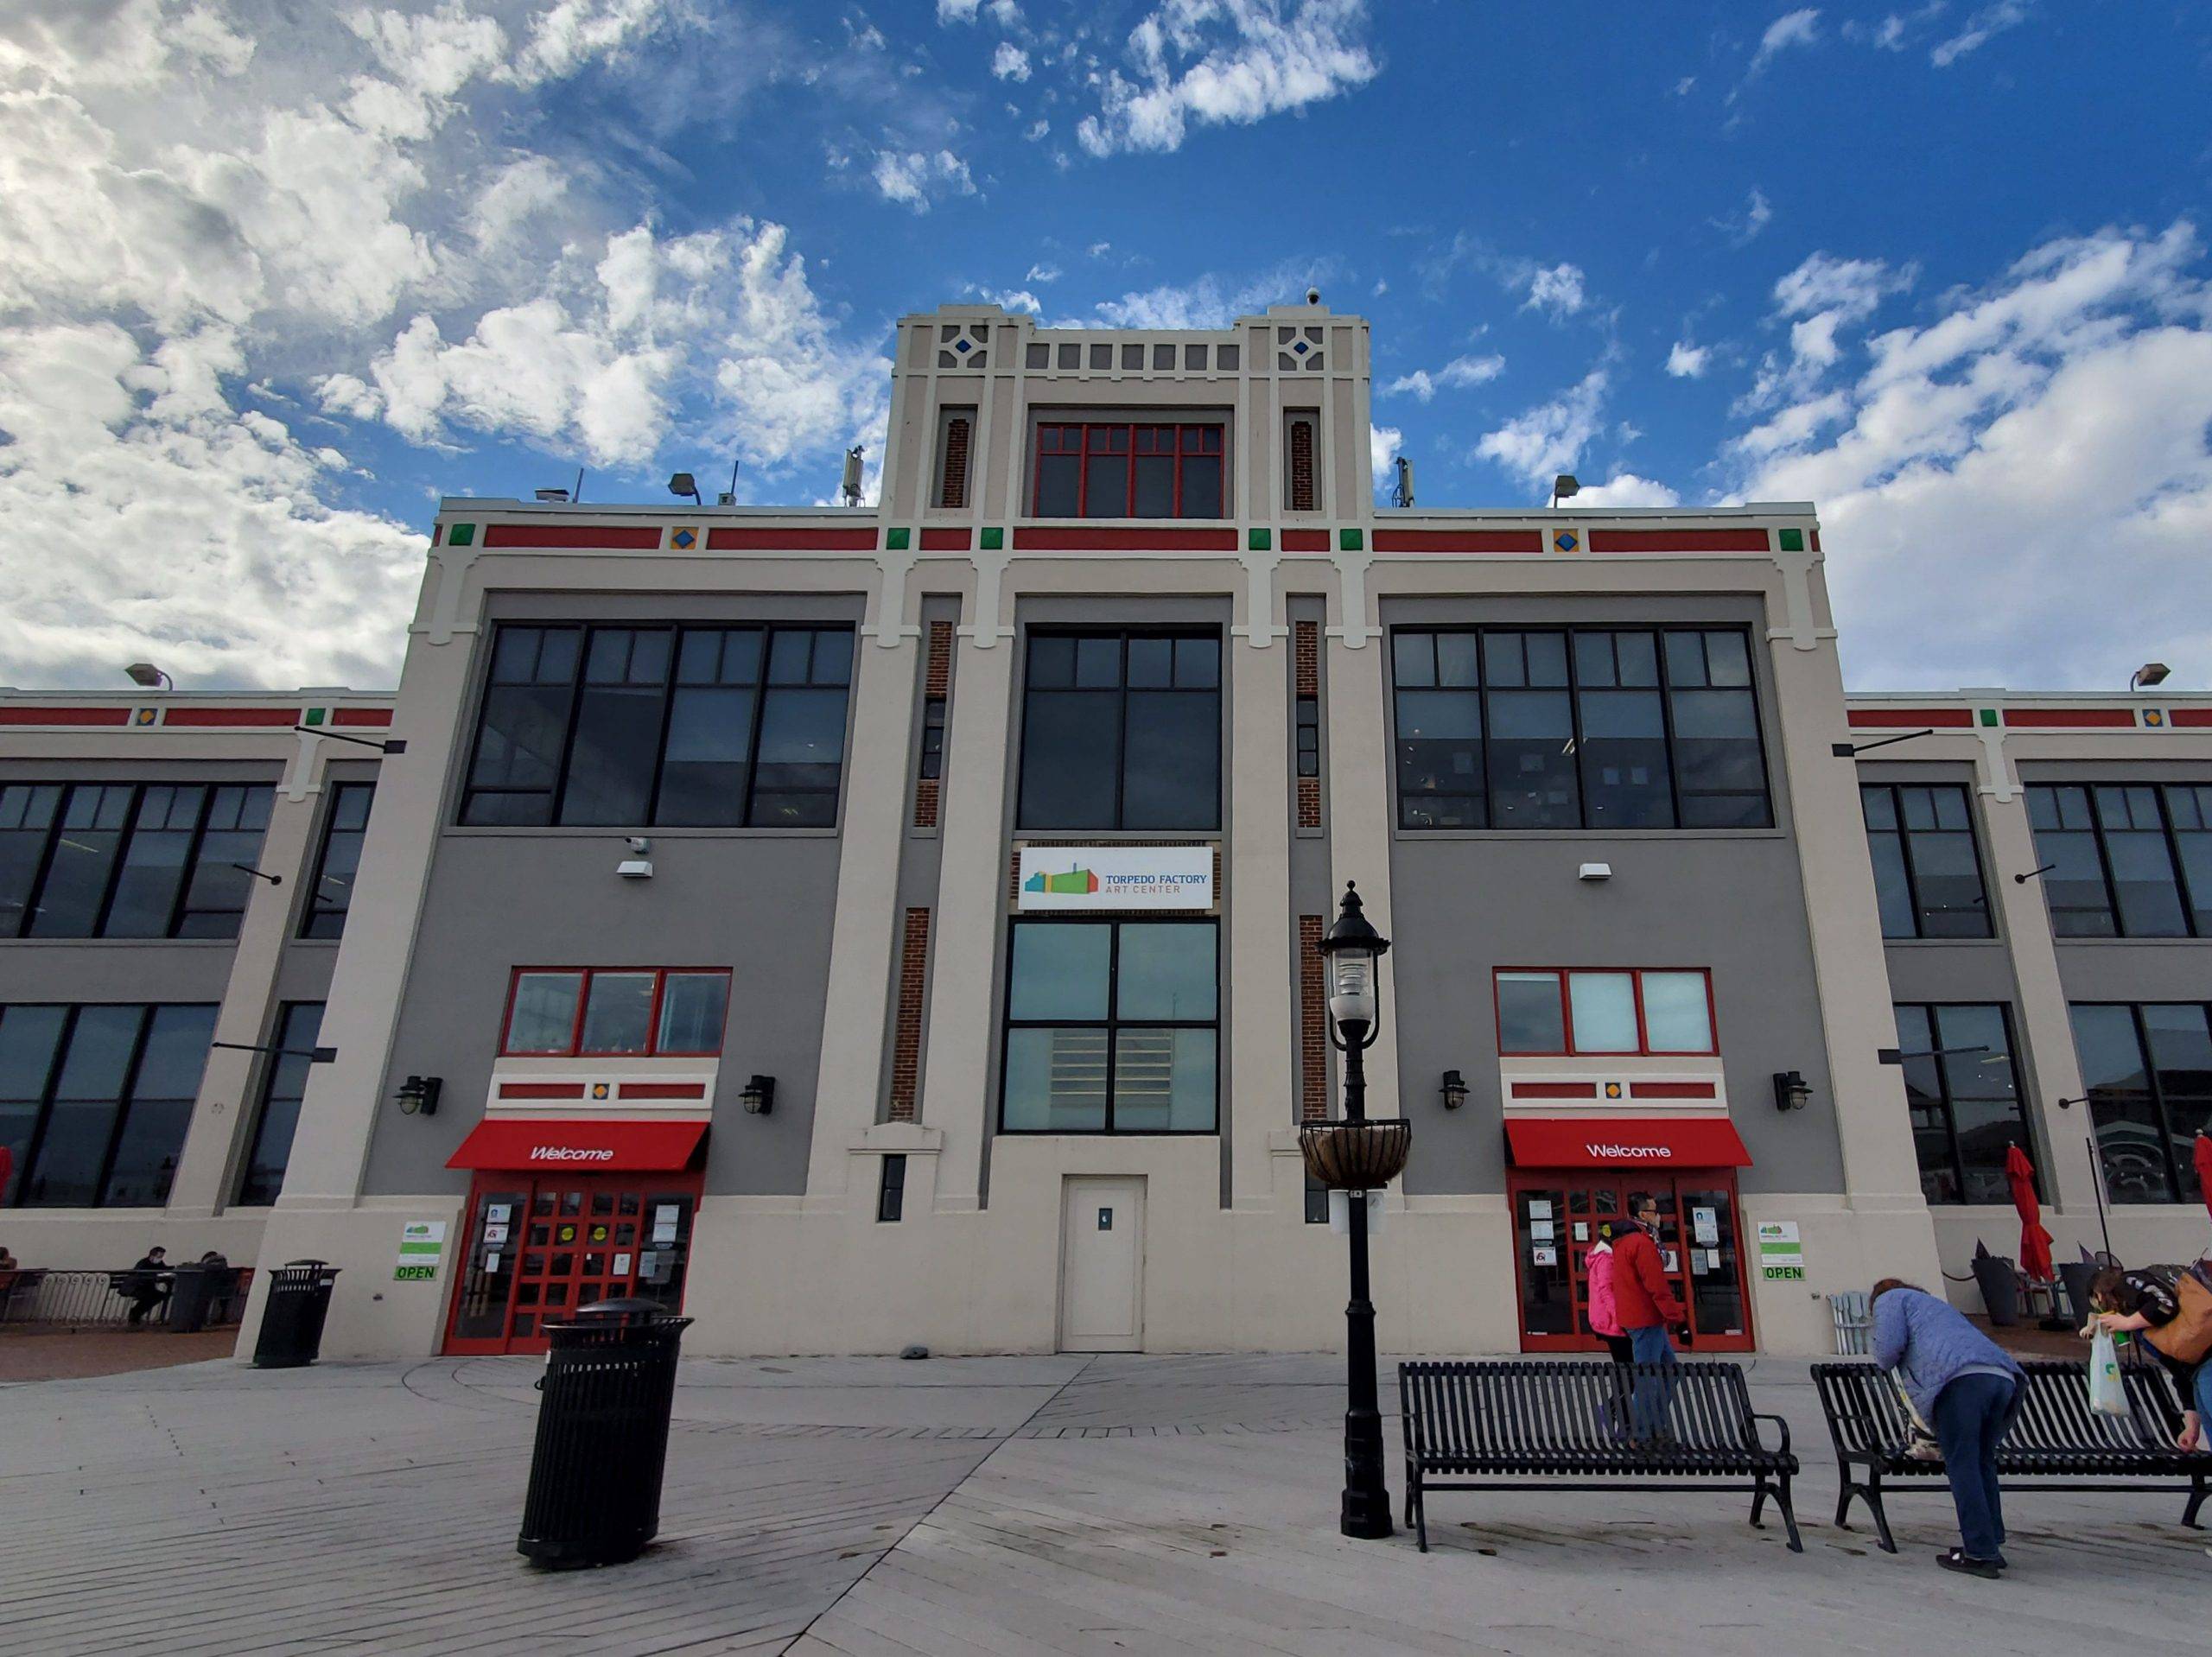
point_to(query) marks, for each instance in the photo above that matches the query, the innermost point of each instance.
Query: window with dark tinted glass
(1122, 730)
(284, 1085)
(2147, 1069)
(1110, 469)
(344, 826)
(1927, 877)
(94, 1100)
(1962, 1090)
(1576, 728)
(2126, 860)
(127, 859)
(1112, 1027)
(681, 726)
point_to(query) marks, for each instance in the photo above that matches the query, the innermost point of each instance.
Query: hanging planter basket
(1356, 1156)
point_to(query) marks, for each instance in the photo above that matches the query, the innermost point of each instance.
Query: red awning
(584, 1147)
(1625, 1142)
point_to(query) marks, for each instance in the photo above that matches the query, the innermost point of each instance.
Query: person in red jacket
(1646, 1304)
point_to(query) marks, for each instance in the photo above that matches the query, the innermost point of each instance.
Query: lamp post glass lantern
(1371, 1154)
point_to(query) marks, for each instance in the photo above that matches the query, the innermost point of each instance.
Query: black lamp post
(1356, 1156)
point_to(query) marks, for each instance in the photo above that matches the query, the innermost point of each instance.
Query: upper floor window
(94, 1100)
(616, 1012)
(1963, 1091)
(1582, 729)
(2147, 1070)
(677, 726)
(955, 441)
(128, 860)
(1101, 470)
(1111, 1027)
(1926, 875)
(343, 830)
(2127, 860)
(284, 1085)
(1546, 1011)
(1122, 730)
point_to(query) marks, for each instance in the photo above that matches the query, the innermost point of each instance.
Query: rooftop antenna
(1402, 495)
(579, 495)
(851, 486)
(728, 496)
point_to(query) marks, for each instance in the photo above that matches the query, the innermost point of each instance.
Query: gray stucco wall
(1465, 904)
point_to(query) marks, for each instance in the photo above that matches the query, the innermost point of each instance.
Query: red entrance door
(540, 1245)
(1556, 1217)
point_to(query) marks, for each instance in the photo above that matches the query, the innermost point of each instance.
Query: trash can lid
(635, 1306)
(312, 1265)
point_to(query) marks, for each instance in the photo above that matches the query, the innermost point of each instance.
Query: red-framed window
(1093, 469)
(615, 1012)
(1603, 1012)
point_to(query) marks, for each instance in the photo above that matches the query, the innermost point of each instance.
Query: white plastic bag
(2108, 1394)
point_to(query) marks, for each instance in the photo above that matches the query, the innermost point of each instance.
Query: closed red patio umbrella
(2202, 1159)
(2035, 1242)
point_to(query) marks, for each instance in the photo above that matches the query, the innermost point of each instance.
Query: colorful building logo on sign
(1074, 883)
(1116, 877)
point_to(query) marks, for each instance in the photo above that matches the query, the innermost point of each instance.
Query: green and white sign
(422, 1245)
(1782, 1256)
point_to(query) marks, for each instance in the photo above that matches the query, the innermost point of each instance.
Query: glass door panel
(488, 1264)
(1540, 1256)
(1715, 1264)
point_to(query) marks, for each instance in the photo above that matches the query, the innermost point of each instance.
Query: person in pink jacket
(1605, 1315)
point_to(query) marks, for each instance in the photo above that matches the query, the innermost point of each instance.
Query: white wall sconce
(637, 865)
(1791, 1091)
(759, 1095)
(1454, 1090)
(1595, 871)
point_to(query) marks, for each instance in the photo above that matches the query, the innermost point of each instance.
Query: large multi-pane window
(1122, 730)
(2125, 859)
(1963, 1091)
(1581, 728)
(673, 726)
(1926, 876)
(1112, 1027)
(1116, 469)
(94, 1100)
(598, 1012)
(128, 860)
(2148, 1071)
(344, 828)
(284, 1085)
(1547, 1011)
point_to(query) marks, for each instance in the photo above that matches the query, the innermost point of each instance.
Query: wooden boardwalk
(990, 1505)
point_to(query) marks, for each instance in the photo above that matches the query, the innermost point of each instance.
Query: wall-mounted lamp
(258, 874)
(418, 1095)
(146, 674)
(2069, 1104)
(1845, 749)
(2151, 673)
(759, 1096)
(390, 745)
(1563, 485)
(637, 865)
(1791, 1091)
(1454, 1090)
(2023, 879)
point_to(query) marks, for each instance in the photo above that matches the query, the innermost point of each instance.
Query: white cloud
(956, 11)
(914, 180)
(1851, 288)
(1683, 86)
(1556, 289)
(1015, 298)
(1799, 27)
(1626, 489)
(1226, 61)
(1210, 301)
(1990, 20)
(1384, 444)
(1548, 438)
(2020, 490)
(1742, 229)
(1686, 361)
(1006, 13)
(1460, 371)
(1010, 62)
(1037, 129)
(1043, 273)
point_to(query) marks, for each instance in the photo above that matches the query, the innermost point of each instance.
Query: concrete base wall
(105, 1240)
(2142, 1234)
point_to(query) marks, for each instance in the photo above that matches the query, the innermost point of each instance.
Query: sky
(275, 277)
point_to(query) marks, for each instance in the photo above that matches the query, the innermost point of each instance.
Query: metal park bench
(1537, 1425)
(2058, 1443)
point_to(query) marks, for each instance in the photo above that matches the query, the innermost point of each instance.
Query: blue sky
(272, 279)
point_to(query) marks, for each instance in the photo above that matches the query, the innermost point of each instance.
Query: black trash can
(602, 1435)
(291, 1319)
(193, 1295)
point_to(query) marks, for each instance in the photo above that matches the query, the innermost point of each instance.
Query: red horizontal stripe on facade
(1459, 541)
(663, 1090)
(1304, 540)
(944, 540)
(64, 717)
(541, 1089)
(2072, 719)
(2189, 715)
(1879, 718)
(1554, 1089)
(234, 717)
(857, 539)
(361, 716)
(1678, 541)
(1065, 540)
(1672, 1089)
(621, 537)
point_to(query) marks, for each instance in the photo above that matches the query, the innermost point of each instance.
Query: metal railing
(39, 1299)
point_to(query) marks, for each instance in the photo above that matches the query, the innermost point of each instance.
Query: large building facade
(865, 927)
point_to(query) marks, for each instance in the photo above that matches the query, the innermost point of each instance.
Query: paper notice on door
(1539, 1208)
(1541, 1255)
(491, 1261)
(621, 1265)
(1705, 1224)
(1541, 1230)
(1582, 1231)
(497, 1214)
(495, 1233)
(1673, 1260)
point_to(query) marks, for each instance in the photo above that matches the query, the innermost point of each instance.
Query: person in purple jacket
(1968, 1389)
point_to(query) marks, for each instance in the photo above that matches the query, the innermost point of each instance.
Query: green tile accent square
(993, 541)
(315, 716)
(1793, 540)
(1351, 541)
(1988, 715)
(1258, 540)
(461, 534)
(895, 540)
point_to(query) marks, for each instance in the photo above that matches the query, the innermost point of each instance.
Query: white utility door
(1101, 1266)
